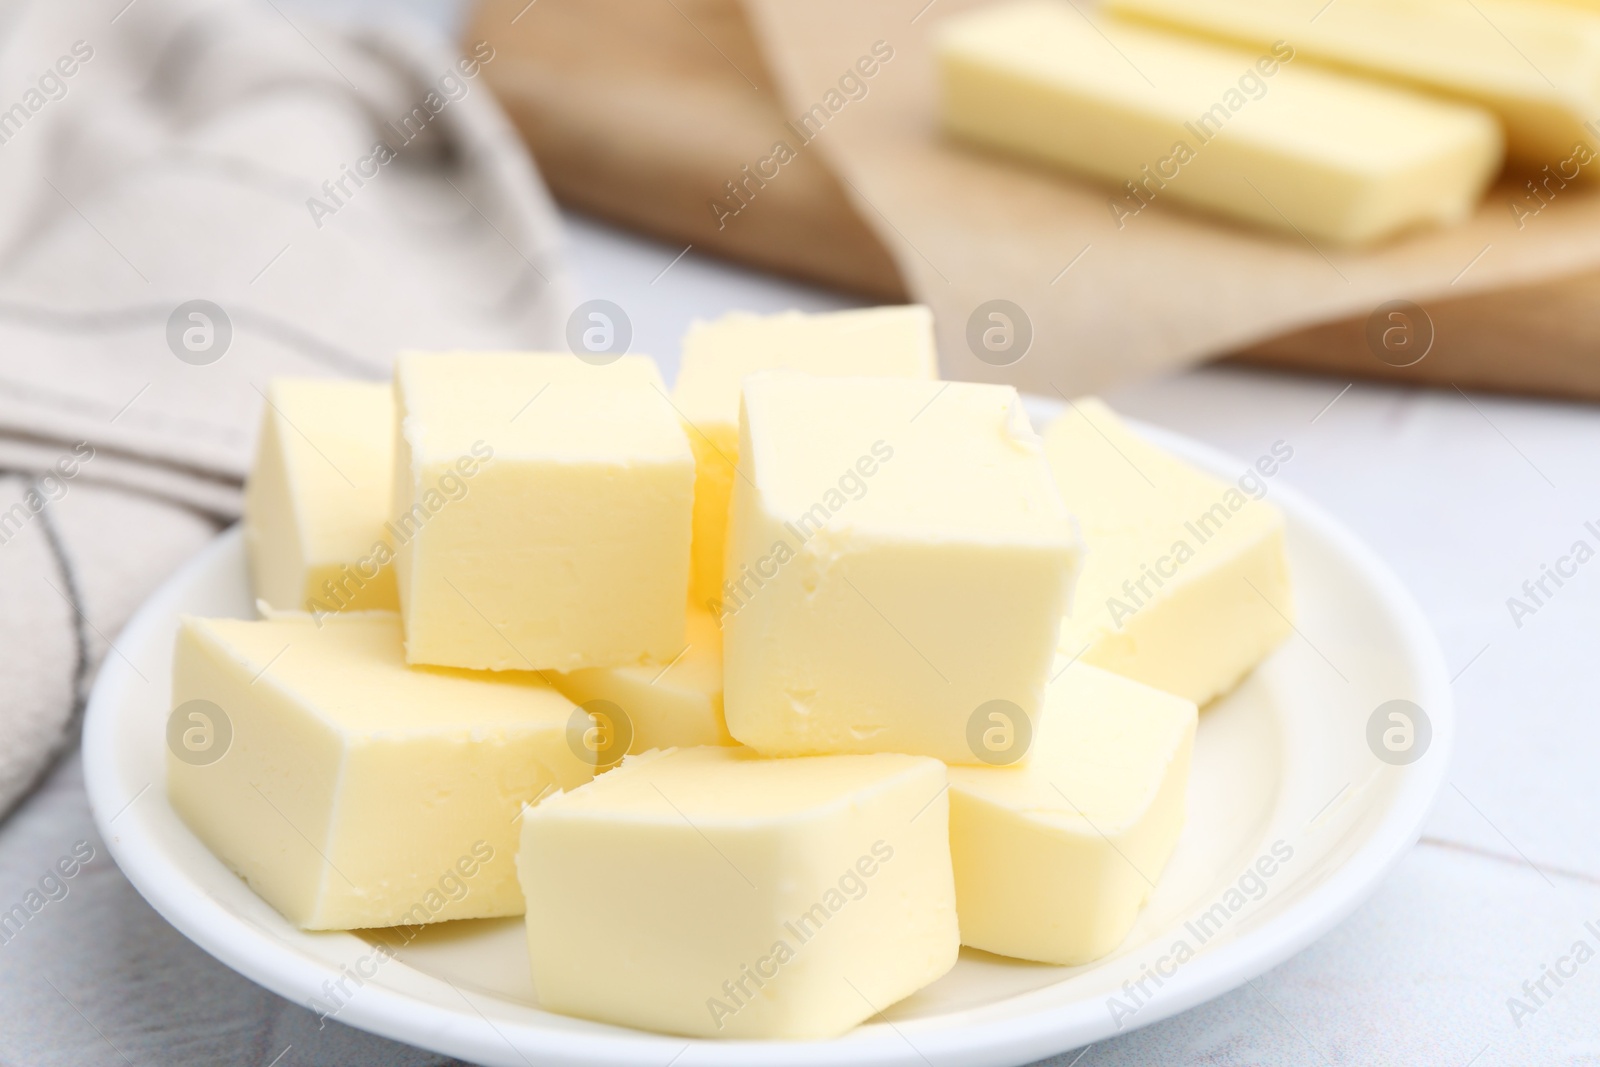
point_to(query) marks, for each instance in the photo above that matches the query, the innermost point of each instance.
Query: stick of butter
(543, 509)
(1055, 856)
(898, 556)
(349, 790)
(710, 893)
(318, 497)
(1535, 65)
(672, 704)
(1184, 583)
(1248, 134)
(884, 341)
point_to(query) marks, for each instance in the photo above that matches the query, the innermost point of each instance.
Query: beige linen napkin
(201, 196)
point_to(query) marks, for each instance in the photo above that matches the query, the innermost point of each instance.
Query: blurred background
(325, 184)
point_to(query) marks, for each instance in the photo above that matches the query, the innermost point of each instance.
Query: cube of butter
(711, 893)
(1535, 65)
(318, 497)
(1185, 582)
(543, 511)
(882, 341)
(898, 557)
(1054, 856)
(671, 704)
(348, 789)
(1254, 134)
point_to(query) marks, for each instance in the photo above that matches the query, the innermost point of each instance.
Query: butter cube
(1535, 65)
(882, 341)
(543, 511)
(318, 497)
(1054, 856)
(1252, 134)
(1185, 582)
(710, 893)
(348, 789)
(898, 557)
(671, 704)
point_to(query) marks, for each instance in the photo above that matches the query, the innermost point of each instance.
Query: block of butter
(883, 341)
(1535, 65)
(1055, 855)
(898, 557)
(676, 703)
(710, 893)
(317, 498)
(543, 510)
(1184, 584)
(1252, 134)
(348, 789)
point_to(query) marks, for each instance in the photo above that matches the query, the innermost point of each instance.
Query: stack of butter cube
(758, 698)
(1346, 123)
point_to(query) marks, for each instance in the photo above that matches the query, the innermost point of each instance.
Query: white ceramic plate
(1283, 761)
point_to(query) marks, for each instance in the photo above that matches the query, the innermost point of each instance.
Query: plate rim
(280, 966)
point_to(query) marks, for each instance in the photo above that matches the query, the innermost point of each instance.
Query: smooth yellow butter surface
(711, 893)
(676, 703)
(318, 496)
(355, 791)
(1535, 65)
(1184, 583)
(543, 510)
(883, 341)
(1055, 856)
(1254, 134)
(898, 555)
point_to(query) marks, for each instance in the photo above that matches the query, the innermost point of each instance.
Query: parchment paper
(1106, 305)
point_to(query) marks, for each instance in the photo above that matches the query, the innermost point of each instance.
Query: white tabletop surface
(1465, 496)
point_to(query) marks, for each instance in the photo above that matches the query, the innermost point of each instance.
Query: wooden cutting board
(638, 111)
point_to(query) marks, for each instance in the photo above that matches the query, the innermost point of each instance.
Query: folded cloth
(203, 195)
